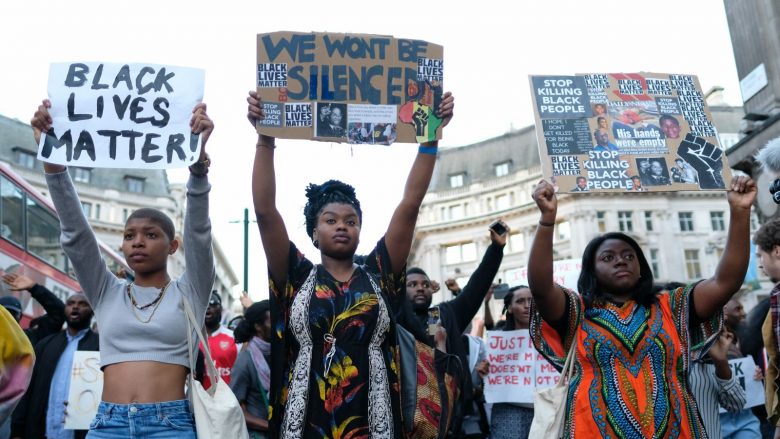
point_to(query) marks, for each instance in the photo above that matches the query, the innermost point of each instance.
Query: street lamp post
(246, 249)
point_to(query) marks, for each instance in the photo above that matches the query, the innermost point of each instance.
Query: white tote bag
(550, 403)
(218, 414)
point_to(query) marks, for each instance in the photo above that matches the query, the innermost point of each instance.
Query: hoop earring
(316, 243)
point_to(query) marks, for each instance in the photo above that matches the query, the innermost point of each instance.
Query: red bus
(30, 243)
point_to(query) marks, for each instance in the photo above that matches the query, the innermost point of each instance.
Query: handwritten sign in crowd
(122, 115)
(744, 371)
(86, 389)
(516, 368)
(354, 88)
(635, 132)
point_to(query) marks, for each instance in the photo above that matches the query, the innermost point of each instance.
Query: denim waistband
(150, 409)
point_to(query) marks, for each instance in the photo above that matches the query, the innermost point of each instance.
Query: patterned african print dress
(630, 378)
(333, 363)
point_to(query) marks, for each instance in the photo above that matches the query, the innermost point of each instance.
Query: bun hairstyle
(320, 195)
(255, 314)
(510, 319)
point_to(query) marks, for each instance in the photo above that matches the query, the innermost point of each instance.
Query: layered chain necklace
(154, 304)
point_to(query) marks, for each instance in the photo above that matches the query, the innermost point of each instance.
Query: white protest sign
(566, 272)
(516, 368)
(122, 115)
(743, 370)
(86, 389)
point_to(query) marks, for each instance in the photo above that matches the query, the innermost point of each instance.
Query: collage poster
(627, 132)
(353, 88)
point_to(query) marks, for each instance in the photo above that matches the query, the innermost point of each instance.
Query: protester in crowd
(739, 423)
(16, 366)
(251, 376)
(752, 345)
(509, 420)
(143, 343)
(222, 345)
(47, 324)
(475, 423)
(767, 240)
(632, 346)
(332, 352)
(41, 413)
(455, 315)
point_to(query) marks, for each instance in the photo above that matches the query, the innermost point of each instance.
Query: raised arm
(54, 307)
(401, 230)
(550, 299)
(273, 232)
(466, 304)
(76, 236)
(198, 253)
(710, 295)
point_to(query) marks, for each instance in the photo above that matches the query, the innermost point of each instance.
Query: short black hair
(416, 270)
(588, 284)
(157, 217)
(668, 117)
(768, 235)
(320, 195)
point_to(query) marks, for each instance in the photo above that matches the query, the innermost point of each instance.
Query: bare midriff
(143, 382)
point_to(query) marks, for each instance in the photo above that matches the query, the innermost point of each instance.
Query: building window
(502, 202)
(624, 221)
(692, 265)
(654, 264)
(125, 215)
(516, 242)
(564, 231)
(717, 221)
(686, 221)
(25, 158)
(457, 180)
(601, 221)
(502, 169)
(649, 221)
(87, 209)
(458, 253)
(11, 211)
(456, 212)
(134, 184)
(82, 175)
(97, 211)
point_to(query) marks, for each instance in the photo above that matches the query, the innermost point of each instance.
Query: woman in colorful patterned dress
(633, 346)
(333, 370)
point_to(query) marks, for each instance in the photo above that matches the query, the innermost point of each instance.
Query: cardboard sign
(636, 132)
(743, 370)
(86, 389)
(516, 368)
(353, 88)
(566, 272)
(122, 115)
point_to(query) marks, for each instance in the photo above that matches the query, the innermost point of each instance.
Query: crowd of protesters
(324, 356)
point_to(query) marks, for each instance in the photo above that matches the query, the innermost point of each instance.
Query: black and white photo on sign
(653, 171)
(705, 158)
(108, 115)
(372, 124)
(331, 120)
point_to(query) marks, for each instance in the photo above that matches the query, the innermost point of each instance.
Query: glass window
(25, 158)
(11, 212)
(135, 184)
(502, 169)
(717, 221)
(458, 253)
(649, 221)
(502, 202)
(457, 180)
(601, 220)
(87, 209)
(97, 211)
(692, 265)
(516, 242)
(564, 231)
(125, 214)
(82, 175)
(654, 262)
(43, 235)
(686, 221)
(625, 222)
(456, 212)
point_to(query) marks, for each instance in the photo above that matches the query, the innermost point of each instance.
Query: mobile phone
(498, 228)
(434, 321)
(500, 291)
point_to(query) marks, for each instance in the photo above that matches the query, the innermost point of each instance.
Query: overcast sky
(490, 49)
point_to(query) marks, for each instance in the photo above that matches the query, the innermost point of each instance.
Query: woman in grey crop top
(143, 329)
(332, 365)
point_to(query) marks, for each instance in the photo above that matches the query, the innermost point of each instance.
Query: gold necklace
(155, 303)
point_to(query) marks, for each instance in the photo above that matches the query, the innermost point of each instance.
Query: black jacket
(49, 323)
(29, 418)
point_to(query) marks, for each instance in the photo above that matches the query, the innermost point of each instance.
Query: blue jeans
(163, 420)
(740, 425)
